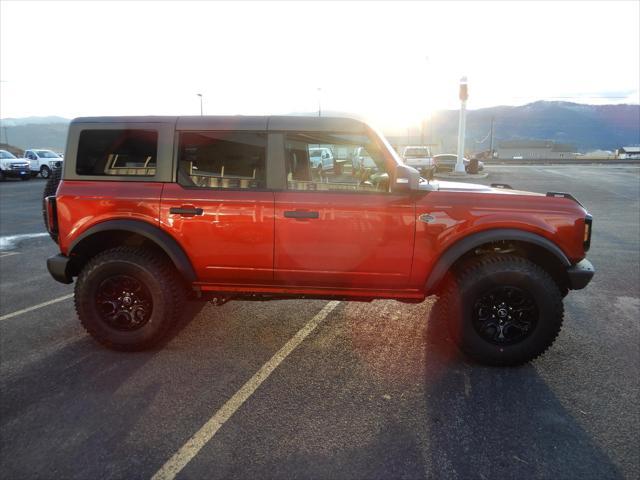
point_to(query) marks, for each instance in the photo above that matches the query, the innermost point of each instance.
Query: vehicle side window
(355, 163)
(117, 152)
(222, 159)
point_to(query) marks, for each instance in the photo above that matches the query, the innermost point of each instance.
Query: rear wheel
(503, 310)
(128, 298)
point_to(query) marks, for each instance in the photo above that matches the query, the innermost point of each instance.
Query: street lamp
(464, 95)
(200, 95)
(319, 107)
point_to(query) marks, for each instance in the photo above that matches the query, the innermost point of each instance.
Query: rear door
(219, 209)
(341, 229)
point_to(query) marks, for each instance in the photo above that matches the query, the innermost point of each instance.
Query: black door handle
(299, 214)
(185, 211)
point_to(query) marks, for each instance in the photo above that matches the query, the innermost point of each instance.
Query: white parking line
(190, 449)
(8, 254)
(35, 307)
(9, 241)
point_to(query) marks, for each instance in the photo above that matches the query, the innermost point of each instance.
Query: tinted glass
(222, 159)
(362, 170)
(117, 152)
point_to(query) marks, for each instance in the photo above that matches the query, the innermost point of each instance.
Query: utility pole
(319, 106)
(491, 142)
(200, 95)
(464, 95)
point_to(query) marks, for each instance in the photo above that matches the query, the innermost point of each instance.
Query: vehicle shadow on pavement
(489, 422)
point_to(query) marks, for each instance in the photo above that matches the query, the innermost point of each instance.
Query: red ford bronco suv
(150, 210)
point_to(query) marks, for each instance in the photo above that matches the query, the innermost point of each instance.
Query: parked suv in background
(10, 166)
(153, 209)
(419, 158)
(321, 158)
(42, 162)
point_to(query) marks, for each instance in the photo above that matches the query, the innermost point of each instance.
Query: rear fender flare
(165, 241)
(458, 249)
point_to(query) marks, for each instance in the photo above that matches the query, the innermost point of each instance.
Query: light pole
(319, 106)
(464, 94)
(200, 95)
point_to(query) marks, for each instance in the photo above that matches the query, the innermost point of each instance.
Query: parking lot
(375, 390)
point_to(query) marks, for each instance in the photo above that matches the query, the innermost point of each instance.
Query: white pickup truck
(42, 162)
(420, 158)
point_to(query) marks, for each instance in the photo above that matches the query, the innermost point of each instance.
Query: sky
(391, 62)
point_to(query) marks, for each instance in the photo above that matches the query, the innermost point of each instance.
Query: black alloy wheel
(505, 315)
(124, 303)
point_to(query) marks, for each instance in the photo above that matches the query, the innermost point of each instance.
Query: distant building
(628, 152)
(534, 149)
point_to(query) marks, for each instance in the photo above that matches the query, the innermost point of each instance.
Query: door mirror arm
(406, 179)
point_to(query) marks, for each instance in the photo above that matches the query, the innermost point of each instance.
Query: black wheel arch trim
(165, 241)
(458, 249)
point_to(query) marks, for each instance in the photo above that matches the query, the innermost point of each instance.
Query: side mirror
(406, 179)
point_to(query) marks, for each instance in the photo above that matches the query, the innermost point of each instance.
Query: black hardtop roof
(240, 122)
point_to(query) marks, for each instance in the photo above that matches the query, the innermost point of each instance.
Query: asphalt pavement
(375, 390)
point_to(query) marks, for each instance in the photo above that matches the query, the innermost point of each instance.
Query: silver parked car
(446, 162)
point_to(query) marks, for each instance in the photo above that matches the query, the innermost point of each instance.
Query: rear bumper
(580, 274)
(58, 268)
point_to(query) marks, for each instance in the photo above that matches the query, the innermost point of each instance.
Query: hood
(444, 186)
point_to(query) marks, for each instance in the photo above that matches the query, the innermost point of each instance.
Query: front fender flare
(165, 241)
(458, 249)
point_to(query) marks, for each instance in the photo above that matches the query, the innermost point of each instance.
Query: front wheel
(45, 172)
(128, 298)
(503, 310)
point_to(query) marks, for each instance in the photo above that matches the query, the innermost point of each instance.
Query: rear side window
(222, 159)
(117, 152)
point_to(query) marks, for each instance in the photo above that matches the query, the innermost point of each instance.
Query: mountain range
(586, 127)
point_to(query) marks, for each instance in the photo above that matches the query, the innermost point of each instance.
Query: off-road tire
(465, 286)
(157, 274)
(45, 172)
(50, 188)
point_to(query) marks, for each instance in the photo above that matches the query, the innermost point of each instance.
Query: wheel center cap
(126, 300)
(502, 313)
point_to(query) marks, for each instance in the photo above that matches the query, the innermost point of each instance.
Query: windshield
(315, 153)
(46, 154)
(5, 154)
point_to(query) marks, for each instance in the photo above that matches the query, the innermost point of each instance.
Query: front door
(219, 209)
(344, 228)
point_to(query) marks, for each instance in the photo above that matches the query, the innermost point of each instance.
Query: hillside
(587, 127)
(35, 132)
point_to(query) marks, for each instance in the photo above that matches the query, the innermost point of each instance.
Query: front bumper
(58, 267)
(580, 274)
(16, 173)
